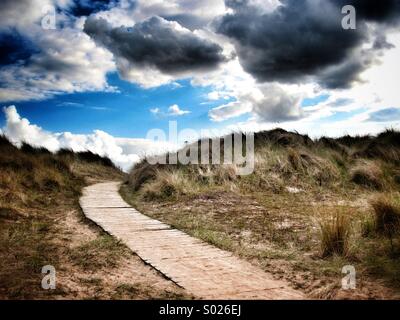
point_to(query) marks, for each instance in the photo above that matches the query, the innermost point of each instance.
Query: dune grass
(37, 188)
(303, 211)
(335, 229)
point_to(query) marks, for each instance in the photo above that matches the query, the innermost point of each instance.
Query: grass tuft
(168, 185)
(335, 232)
(387, 216)
(369, 175)
(103, 252)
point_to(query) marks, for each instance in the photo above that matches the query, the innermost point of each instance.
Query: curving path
(203, 270)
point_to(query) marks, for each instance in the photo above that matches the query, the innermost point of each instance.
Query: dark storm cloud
(14, 47)
(87, 7)
(386, 11)
(303, 39)
(156, 43)
(342, 75)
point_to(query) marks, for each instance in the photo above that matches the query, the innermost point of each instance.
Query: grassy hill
(309, 208)
(41, 224)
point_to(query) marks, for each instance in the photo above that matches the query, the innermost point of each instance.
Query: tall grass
(334, 233)
(386, 211)
(168, 185)
(368, 174)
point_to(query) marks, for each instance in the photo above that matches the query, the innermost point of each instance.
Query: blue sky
(125, 113)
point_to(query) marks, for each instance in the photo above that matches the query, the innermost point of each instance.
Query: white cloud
(155, 111)
(22, 13)
(229, 110)
(63, 60)
(68, 62)
(123, 14)
(174, 110)
(203, 10)
(20, 129)
(267, 102)
(191, 13)
(124, 152)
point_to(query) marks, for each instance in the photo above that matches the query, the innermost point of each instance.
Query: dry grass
(384, 147)
(298, 160)
(102, 252)
(168, 185)
(368, 174)
(335, 231)
(268, 216)
(386, 215)
(36, 189)
(144, 172)
(222, 174)
(368, 227)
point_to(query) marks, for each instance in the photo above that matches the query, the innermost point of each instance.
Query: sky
(103, 75)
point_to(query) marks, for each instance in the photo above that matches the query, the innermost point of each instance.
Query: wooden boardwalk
(203, 270)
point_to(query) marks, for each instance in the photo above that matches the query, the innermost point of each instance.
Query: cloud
(268, 103)
(123, 152)
(87, 7)
(20, 129)
(277, 105)
(67, 61)
(386, 11)
(38, 63)
(157, 46)
(155, 111)
(173, 111)
(302, 40)
(14, 47)
(385, 115)
(192, 14)
(229, 110)
(21, 13)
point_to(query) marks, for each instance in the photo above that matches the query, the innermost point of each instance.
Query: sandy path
(203, 270)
